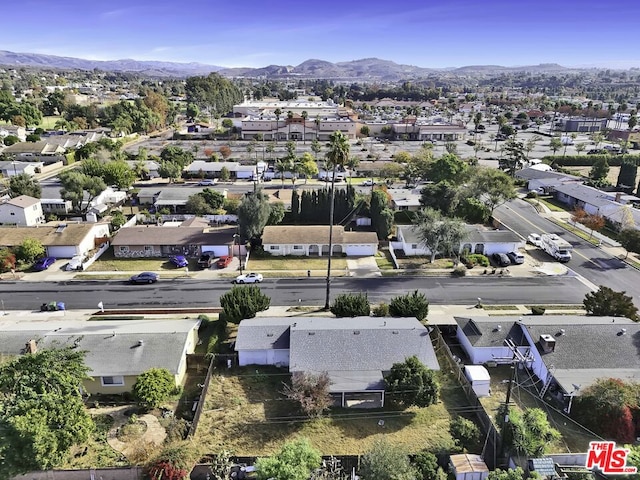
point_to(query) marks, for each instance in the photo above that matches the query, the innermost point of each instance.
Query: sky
(427, 33)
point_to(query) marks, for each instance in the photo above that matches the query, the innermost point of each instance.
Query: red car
(224, 261)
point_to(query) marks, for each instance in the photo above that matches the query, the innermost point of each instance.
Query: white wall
(360, 250)
(263, 357)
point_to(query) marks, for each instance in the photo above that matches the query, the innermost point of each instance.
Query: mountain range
(367, 69)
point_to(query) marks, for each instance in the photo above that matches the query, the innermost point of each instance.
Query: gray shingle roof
(475, 234)
(490, 333)
(358, 344)
(584, 193)
(535, 174)
(264, 333)
(155, 235)
(311, 234)
(163, 342)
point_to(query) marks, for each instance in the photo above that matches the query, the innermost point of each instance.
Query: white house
(313, 240)
(478, 240)
(15, 167)
(23, 210)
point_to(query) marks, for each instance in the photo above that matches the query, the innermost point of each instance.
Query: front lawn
(246, 413)
(96, 452)
(262, 264)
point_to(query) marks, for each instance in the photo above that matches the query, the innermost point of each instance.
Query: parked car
(207, 182)
(145, 277)
(224, 261)
(179, 260)
(43, 263)
(516, 258)
(534, 239)
(501, 259)
(206, 259)
(74, 264)
(249, 278)
(368, 183)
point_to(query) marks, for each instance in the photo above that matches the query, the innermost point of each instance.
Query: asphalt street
(589, 261)
(305, 291)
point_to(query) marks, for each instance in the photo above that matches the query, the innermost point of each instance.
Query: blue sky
(427, 33)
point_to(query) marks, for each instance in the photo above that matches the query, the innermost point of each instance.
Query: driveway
(363, 267)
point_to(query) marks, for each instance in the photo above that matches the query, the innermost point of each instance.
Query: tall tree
(607, 302)
(447, 168)
(253, 215)
(80, 189)
(295, 461)
(412, 383)
(24, 184)
(439, 234)
(599, 171)
(386, 461)
(491, 187)
(214, 94)
(528, 433)
(304, 116)
(337, 156)
(627, 175)
(41, 410)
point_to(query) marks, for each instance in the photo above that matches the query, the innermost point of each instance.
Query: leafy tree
(447, 168)
(213, 94)
(426, 464)
(32, 137)
(7, 260)
(599, 171)
(437, 233)
(391, 170)
(386, 461)
(154, 387)
(311, 391)
(491, 187)
(412, 383)
(243, 302)
(24, 184)
(510, 474)
(170, 170)
(253, 215)
(381, 215)
(80, 189)
(607, 407)
(465, 433)
(225, 174)
(629, 238)
(627, 176)
(402, 157)
(213, 198)
(41, 410)
(607, 302)
(555, 144)
(276, 214)
(118, 173)
(29, 250)
(515, 156)
(529, 434)
(295, 461)
(173, 153)
(413, 304)
(10, 140)
(351, 305)
(442, 196)
(117, 219)
(197, 205)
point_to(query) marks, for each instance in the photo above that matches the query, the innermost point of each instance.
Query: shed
(467, 466)
(479, 378)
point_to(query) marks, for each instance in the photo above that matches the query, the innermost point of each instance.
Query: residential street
(305, 291)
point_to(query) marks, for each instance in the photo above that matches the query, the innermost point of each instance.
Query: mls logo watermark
(608, 459)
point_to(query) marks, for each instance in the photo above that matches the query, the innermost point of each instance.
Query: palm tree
(304, 116)
(277, 112)
(338, 155)
(317, 122)
(282, 166)
(289, 118)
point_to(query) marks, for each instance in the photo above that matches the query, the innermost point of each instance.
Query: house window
(148, 248)
(115, 381)
(274, 247)
(414, 246)
(124, 249)
(297, 247)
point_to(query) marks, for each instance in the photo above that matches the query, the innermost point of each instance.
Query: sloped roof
(358, 344)
(23, 201)
(475, 234)
(112, 346)
(264, 333)
(48, 235)
(158, 235)
(298, 235)
(537, 174)
(584, 193)
(490, 333)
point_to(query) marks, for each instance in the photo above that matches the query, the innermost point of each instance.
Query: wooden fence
(201, 400)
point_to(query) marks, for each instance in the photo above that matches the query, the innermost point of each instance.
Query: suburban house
(204, 169)
(355, 352)
(478, 240)
(60, 240)
(150, 166)
(402, 199)
(16, 167)
(52, 202)
(15, 130)
(546, 180)
(591, 199)
(189, 238)
(33, 149)
(23, 210)
(117, 350)
(313, 240)
(566, 353)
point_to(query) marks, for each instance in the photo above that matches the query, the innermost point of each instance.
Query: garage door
(360, 250)
(62, 252)
(218, 250)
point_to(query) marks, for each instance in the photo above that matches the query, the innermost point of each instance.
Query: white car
(534, 239)
(74, 264)
(249, 278)
(208, 183)
(367, 183)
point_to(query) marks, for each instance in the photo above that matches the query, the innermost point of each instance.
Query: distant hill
(366, 69)
(153, 68)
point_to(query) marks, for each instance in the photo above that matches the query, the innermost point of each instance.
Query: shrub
(537, 310)
(153, 387)
(474, 259)
(381, 310)
(459, 271)
(243, 302)
(212, 344)
(410, 305)
(351, 305)
(465, 433)
(532, 194)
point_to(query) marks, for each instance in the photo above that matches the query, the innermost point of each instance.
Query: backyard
(245, 412)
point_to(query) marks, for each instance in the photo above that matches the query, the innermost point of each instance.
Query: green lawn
(98, 453)
(265, 264)
(246, 413)
(384, 260)
(48, 123)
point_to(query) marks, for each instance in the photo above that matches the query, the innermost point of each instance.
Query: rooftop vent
(269, 334)
(312, 333)
(547, 343)
(499, 328)
(356, 332)
(140, 343)
(623, 331)
(562, 332)
(61, 228)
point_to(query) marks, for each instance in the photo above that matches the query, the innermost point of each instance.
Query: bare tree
(311, 391)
